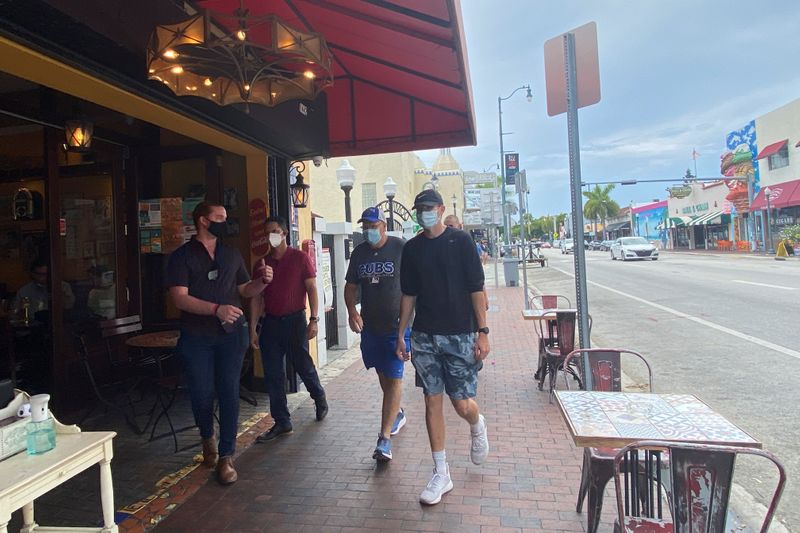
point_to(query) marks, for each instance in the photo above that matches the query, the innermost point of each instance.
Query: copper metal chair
(605, 369)
(699, 480)
(545, 329)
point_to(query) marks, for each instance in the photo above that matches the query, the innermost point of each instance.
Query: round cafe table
(156, 339)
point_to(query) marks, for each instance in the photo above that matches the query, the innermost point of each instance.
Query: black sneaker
(322, 408)
(274, 432)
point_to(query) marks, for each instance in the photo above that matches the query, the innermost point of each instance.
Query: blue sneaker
(399, 422)
(383, 450)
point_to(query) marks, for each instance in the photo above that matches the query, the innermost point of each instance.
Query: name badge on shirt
(213, 274)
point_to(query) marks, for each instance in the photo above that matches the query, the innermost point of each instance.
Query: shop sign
(697, 208)
(786, 220)
(481, 178)
(681, 191)
(259, 240)
(512, 167)
(325, 274)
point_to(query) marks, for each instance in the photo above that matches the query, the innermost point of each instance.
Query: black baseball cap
(428, 197)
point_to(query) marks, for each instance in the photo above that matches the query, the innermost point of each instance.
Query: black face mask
(217, 229)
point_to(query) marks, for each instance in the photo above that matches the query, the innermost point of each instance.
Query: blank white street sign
(587, 68)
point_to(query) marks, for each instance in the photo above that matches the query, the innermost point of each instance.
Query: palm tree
(599, 205)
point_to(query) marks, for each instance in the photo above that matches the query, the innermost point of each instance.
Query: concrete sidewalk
(322, 477)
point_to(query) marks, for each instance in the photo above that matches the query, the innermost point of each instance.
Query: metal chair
(555, 354)
(605, 369)
(545, 329)
(116, 380)
(699, 480)
(114, 384)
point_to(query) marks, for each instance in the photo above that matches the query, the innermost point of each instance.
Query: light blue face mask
(428, 219)
(373, 235)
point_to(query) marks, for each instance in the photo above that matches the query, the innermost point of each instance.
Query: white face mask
(275, 239)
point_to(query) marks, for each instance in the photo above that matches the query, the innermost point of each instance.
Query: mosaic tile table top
(615, 419)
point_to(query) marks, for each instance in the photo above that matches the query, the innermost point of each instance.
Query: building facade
(699, 216)
(779, 161)
(408, 172)
(649, 222)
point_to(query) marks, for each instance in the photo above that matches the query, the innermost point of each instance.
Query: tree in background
(599, 206)
(541, 227)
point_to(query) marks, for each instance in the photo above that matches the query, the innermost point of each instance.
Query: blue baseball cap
(372, 214)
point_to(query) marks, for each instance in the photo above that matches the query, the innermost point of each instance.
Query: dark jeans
(281, 337)
(214, 364)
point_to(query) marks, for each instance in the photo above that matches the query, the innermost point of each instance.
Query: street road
(725, 328)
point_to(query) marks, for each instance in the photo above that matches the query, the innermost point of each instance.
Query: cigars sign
(259, 240)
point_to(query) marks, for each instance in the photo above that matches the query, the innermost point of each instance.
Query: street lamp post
(767, 193)
(346, 176)
(454, 204)
(390, 190)
(529, 97)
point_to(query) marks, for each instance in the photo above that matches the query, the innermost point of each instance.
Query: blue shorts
(377, 351)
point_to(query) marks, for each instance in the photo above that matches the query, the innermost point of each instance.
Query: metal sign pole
(522, 185)
(494, 242)
(577, 199)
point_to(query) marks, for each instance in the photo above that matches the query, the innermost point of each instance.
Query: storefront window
(89, 250)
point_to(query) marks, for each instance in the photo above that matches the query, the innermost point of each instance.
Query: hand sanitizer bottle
(41, 428)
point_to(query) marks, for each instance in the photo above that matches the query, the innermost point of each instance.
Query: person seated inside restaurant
(102, 298)
(37, 291)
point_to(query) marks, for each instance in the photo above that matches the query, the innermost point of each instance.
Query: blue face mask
(373, 235)
(428, 219)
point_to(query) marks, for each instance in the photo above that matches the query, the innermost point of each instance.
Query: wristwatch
(484, 330)
(313, 318)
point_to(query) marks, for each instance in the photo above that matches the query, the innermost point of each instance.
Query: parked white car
(567, 246)
(626, 248)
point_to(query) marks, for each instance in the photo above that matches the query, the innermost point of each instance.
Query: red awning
(401, 80)
(785, 194)
(772, 149)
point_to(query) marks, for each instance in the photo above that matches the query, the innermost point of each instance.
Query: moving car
(605, 246)
(567, 246)
(626, 248)
(595, 245)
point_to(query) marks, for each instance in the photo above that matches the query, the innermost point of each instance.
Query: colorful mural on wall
(739, 161)
(649, 221)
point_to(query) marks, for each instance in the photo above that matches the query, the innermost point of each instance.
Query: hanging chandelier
(238, 58)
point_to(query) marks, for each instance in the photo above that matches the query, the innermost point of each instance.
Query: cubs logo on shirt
(376, 269)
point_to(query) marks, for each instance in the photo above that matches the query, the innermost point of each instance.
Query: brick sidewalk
(322, 478)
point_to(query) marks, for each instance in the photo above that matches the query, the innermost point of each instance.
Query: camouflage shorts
(445, 363)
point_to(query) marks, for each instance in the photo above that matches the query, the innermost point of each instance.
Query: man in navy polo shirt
(375, 268)
(207, 281)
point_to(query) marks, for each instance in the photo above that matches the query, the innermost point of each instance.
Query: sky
(675, 75)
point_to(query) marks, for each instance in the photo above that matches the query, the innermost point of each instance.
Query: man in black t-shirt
(375, 268)
(442, 281)
(206, 281)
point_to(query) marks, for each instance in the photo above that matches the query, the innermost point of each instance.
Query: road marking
(765, 285)
(755, 340)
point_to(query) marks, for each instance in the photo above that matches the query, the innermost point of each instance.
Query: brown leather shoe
(210, 452)
(226, 474)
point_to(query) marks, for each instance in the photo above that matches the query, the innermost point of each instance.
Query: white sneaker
(480, 444)
(438, 486)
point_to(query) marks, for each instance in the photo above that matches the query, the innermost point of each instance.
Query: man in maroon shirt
(284, 330)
